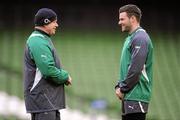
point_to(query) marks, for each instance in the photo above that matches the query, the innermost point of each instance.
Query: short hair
(131, 10)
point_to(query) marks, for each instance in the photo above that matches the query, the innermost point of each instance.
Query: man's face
(124, 22)
(51, 27)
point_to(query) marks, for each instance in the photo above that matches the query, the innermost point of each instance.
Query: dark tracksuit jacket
(136, 72)
(43, 76)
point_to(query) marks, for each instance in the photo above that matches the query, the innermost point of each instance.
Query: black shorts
(134, 116)
(51, 115)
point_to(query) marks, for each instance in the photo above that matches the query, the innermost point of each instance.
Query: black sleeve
(139, 50)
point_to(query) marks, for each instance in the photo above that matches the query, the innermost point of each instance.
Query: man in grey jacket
(44, 77)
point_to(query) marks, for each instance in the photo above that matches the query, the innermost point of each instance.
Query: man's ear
(133, 18)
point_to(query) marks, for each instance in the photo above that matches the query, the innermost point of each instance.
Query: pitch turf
(92, 58)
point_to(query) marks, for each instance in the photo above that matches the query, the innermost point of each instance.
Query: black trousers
(134, 116)
(51, 115)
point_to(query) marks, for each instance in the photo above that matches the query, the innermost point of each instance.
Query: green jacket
(41, 47)
(136, 67)
(44, 77)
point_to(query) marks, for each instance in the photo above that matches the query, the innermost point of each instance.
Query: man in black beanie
(44, 77)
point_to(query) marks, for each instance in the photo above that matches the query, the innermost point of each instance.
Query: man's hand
(69, 81)
(119, 94)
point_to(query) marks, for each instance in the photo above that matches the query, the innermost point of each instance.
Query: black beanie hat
(44, 16)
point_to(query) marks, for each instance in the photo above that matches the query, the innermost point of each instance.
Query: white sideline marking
(12, 105)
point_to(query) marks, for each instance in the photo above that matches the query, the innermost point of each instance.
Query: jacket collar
(42, 32)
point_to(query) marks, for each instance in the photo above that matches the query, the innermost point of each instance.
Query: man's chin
(53, 33)
(124, 30)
